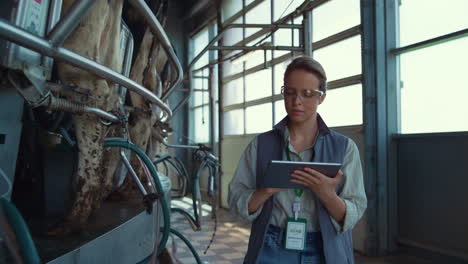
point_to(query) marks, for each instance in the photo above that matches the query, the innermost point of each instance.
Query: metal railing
(52, 47)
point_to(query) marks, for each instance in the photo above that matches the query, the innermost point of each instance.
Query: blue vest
(329, 147)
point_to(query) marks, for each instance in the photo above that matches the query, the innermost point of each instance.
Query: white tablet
(278, 173)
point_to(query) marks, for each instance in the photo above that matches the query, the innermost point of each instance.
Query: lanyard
(298, 192)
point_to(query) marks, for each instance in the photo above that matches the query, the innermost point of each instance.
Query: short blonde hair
(308, 64)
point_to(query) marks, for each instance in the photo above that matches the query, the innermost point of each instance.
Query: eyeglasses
(305, 94)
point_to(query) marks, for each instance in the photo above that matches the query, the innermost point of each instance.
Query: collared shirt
(353, 193)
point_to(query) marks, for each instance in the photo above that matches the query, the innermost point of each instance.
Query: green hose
(184, 170)
(185, 240)
(186, 214)
(195, 254)
(26, 244)
(122, 143)
(196, 184)
(179, 172)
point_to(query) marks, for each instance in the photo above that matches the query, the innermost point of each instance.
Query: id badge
(295, 234)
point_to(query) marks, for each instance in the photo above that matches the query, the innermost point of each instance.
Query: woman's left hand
(323, 186)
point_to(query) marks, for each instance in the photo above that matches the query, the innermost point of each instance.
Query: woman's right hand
(259, 197)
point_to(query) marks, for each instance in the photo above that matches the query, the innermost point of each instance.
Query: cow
(98, 37)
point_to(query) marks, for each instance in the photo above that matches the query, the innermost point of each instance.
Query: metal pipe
(212, 106)
(181, 103)
(220, 102)
(256, 48)
(179, 146)
(268, 26)
(158, 30)
(127, 62)
(187, 94)
(132, 172)
(307, 33)
(213, 41)
(101, 113)
(340, 36)
(343, 82)
(164, 142)
(68, 23)
(64, 105)
(67, 90)
(28, 40)
(54, 16)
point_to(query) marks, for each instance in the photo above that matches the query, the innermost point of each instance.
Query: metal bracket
(29, 85)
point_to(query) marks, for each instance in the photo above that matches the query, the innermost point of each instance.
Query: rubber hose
(123, 143)
(194, 253)
(184, 170)
(195, 183)
(26, 244)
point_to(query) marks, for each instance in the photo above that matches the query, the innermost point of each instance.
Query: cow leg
(93, 38)
(110, 44)
(87, 186)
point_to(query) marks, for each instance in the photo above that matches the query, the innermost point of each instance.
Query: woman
(328, 208)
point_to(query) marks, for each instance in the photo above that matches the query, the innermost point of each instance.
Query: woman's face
(301, 96)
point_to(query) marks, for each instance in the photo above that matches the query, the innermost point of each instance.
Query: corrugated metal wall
(433, 192)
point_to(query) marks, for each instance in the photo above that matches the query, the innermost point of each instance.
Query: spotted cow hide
(96, 37)
(148, 64)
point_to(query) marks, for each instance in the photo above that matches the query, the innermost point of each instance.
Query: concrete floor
(230, 243)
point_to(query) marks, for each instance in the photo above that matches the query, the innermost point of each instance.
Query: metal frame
(310, 47)
(163, 140)
(241, 13)
(269, 28)
(266, 28)
(393, 111)
(340, 36)
(158, 30)
(250, 48)
(393, 117)
(50, 47)
(272, 68)
(68, 23)
(307, 34)
(305, 7)
(380, 98)
(28, 40)
(307, 47)
(220, 103)
(257, 68)
(431, 42)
